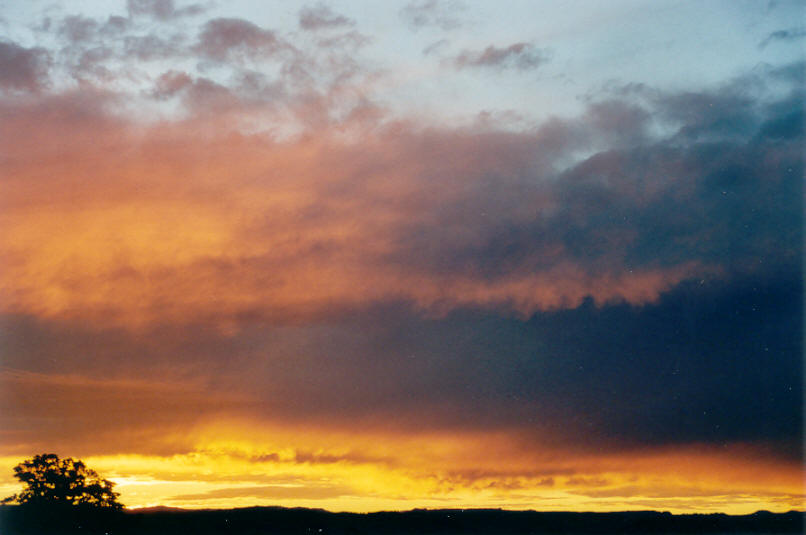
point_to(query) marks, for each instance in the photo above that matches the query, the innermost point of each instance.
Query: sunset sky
(365, 255)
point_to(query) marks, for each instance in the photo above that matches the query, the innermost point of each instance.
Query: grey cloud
(205, 95)
(791, 34)
(707, 116)
(149, 47)
(202, 95)
(224, 39)
(91, 63)
(624, 123)
(24, 69)
(642, 204)
(170, 83)
(321, 17)
(351, 40)
(78, 29)
(115, 25)
(520, 56)
(94, 50)
(435, 47)
(162, 10)
(444, 14)
(793, 73)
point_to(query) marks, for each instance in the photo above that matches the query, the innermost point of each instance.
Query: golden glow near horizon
(252, 259)
(351, 471)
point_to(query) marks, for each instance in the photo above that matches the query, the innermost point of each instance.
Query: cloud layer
(440, 218)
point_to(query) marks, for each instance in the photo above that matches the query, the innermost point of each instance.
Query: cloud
(308, 492)
(444, 14)
(351, 40)
(435, 47)
(224, 39)
(520, 56)
(42, 410)
(23, 69)
(709, 363)
(626, 276)
(791, 34)
(151, 47)
(321, 17)
(162, 10)
(439, 218)
(104, 53)
(78, 29)
(170, 83)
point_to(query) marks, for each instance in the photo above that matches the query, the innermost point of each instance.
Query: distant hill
(277, 520)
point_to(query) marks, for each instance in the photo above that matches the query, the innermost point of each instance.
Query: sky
(366, 255)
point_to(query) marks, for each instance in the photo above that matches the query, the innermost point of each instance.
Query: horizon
(363, 256)
(167, 508)
(418, 509)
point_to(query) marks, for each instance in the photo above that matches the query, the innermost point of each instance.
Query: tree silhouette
(51, 481)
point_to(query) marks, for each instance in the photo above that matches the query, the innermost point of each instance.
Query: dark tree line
(50, 481)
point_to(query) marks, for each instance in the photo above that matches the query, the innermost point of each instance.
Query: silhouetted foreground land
(260, 520)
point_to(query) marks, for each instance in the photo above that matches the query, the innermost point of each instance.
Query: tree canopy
(52, 481)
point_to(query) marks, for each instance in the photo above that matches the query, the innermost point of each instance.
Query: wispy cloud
(444, 14)
(520, 56)
(321, 17)
(791, 34)
(162, 10)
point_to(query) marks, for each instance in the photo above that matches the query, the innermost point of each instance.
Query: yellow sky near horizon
(238, 464)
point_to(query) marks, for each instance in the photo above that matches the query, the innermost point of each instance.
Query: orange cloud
(129, 225)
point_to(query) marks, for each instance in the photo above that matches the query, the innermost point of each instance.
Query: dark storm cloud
(722, 191)
(716, 359)
(710, 116)
(791, 34)
(709, 363)
(520, 56)
(444, 14)
(24, 69)
(321, 17)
